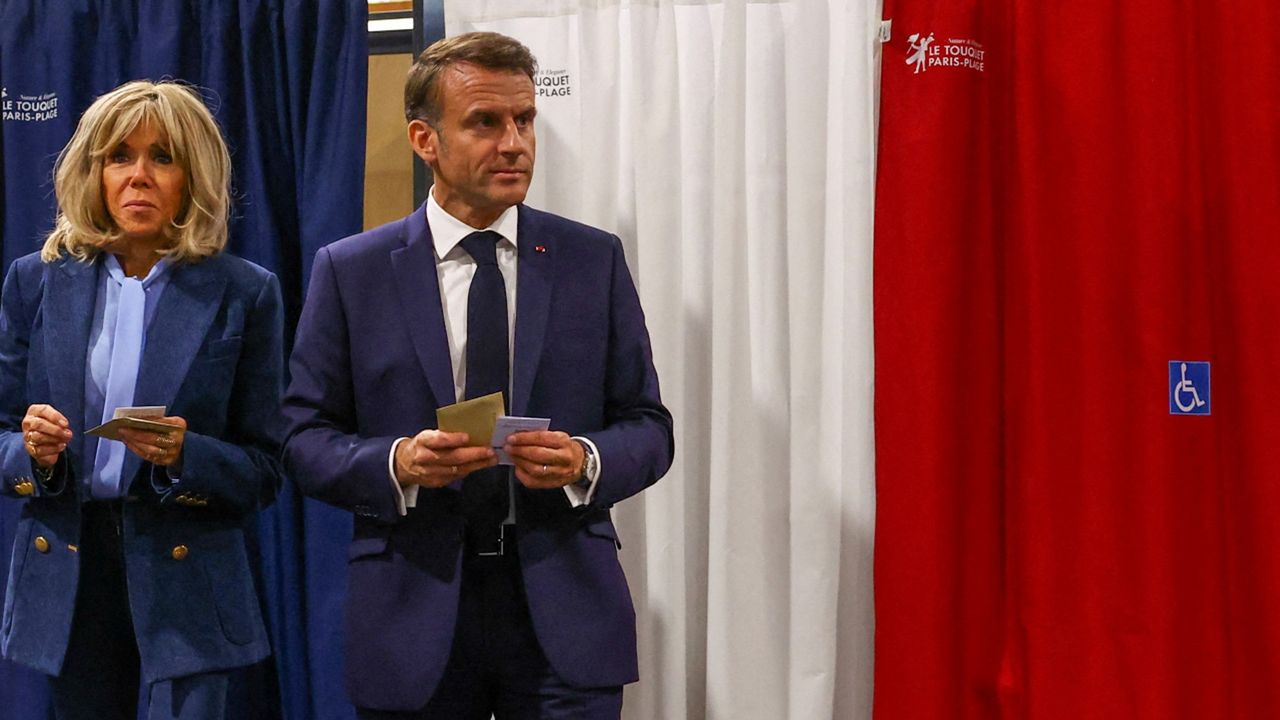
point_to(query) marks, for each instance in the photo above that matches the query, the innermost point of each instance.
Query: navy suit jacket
(214, 356)
(371, 364)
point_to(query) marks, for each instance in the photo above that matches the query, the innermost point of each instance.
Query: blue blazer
(213, 355)
(371, 364)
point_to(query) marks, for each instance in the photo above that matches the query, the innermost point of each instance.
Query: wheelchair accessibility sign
(1188, 387)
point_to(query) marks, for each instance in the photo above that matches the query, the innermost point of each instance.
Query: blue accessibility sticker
(1188, 387)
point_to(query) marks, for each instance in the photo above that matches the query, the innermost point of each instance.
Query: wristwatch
(589, 465)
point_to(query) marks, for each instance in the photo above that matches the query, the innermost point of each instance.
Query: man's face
(482, 148)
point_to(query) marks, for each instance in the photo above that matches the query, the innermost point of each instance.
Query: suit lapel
(182, 319)
(418, 286)
(533, 305)
(70, 291)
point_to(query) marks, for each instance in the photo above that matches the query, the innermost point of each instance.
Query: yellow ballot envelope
(475, 417)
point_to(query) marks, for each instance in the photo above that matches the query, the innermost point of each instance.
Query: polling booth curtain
(1076, 263)
(730, 145)
(287, 82)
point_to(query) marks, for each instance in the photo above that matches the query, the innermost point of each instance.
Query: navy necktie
(485, 493)
(486, 319)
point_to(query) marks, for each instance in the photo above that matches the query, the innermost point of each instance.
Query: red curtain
(1074, 199)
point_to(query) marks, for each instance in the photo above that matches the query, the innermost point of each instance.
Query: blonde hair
(84, 224)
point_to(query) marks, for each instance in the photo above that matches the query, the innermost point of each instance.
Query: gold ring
(164, 441)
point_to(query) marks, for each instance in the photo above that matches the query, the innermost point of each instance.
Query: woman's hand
(46, 433)
(158, 448)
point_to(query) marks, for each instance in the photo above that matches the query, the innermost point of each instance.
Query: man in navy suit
(476, 588)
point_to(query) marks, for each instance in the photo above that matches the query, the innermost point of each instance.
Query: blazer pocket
(366, 547)
(226, 570)
(604, 528)
(17, 596)
(582, 336)
(221, 348)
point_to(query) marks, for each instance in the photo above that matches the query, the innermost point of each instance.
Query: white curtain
(731, 145)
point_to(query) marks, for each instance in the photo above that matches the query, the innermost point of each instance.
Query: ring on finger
(453, 470)
(544, 469)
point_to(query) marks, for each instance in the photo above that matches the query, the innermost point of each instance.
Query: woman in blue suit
(129, 562)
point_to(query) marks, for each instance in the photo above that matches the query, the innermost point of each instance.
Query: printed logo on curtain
(927, 51)
(1188, 387)
(28, 108)
(553, 83)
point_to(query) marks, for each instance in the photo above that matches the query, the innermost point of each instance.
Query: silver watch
(589, 464)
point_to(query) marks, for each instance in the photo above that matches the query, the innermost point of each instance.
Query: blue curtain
(287, 80)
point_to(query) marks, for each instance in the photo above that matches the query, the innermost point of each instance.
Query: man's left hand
(545, 459)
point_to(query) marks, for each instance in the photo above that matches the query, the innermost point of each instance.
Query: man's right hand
(434, 459)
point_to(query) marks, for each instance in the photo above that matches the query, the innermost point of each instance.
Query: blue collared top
(101, 345)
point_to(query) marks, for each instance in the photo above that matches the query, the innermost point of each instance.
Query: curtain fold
(287, 83)
(939, 564)
(1073, 203)
(731, 146)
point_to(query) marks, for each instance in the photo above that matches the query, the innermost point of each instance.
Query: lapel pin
(539, 248)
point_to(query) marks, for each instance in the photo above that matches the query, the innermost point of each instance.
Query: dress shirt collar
(448, 231)
(116, 272)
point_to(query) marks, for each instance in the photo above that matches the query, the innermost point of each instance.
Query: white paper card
(508, 424)
(141, 411)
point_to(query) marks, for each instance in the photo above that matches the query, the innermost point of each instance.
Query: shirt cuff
(406, 497)
(163, 478)
(582, 494)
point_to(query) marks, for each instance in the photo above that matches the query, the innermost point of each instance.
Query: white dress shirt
(454, 270)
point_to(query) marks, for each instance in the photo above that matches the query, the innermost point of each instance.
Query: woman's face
(144, 187)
